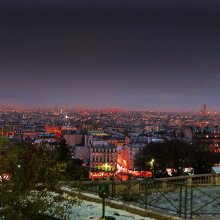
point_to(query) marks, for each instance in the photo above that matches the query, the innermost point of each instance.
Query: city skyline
(106, 109)
(123, 54)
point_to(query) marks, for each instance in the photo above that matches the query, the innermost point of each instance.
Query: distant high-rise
(204, 109)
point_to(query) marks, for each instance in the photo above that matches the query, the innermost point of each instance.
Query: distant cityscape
(109, 140)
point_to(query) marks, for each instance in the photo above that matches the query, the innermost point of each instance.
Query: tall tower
(204, 108)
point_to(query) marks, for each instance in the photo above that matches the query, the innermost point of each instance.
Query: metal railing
(187, 197)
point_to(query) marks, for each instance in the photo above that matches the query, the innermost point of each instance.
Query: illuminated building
(128, 155)
(103, 157)
(116, 141)
(208, 138)
(53, 130)
(99, 134)
(46, 138)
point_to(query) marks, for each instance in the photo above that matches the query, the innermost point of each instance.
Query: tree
(74, 169)
(203, 160)
(63, 152)
(175, 155)
(34, 188)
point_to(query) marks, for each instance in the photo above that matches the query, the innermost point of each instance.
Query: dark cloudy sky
(139, 54)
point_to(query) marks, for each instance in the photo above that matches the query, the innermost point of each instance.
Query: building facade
(103, 157)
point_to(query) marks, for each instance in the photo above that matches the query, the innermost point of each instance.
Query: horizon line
(90, 108)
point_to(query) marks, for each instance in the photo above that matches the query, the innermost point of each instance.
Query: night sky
(137, 54)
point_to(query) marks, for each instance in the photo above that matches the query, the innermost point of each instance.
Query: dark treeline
(176, 155)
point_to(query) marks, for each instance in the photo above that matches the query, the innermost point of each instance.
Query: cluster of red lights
(54, 129)
(120, 175)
